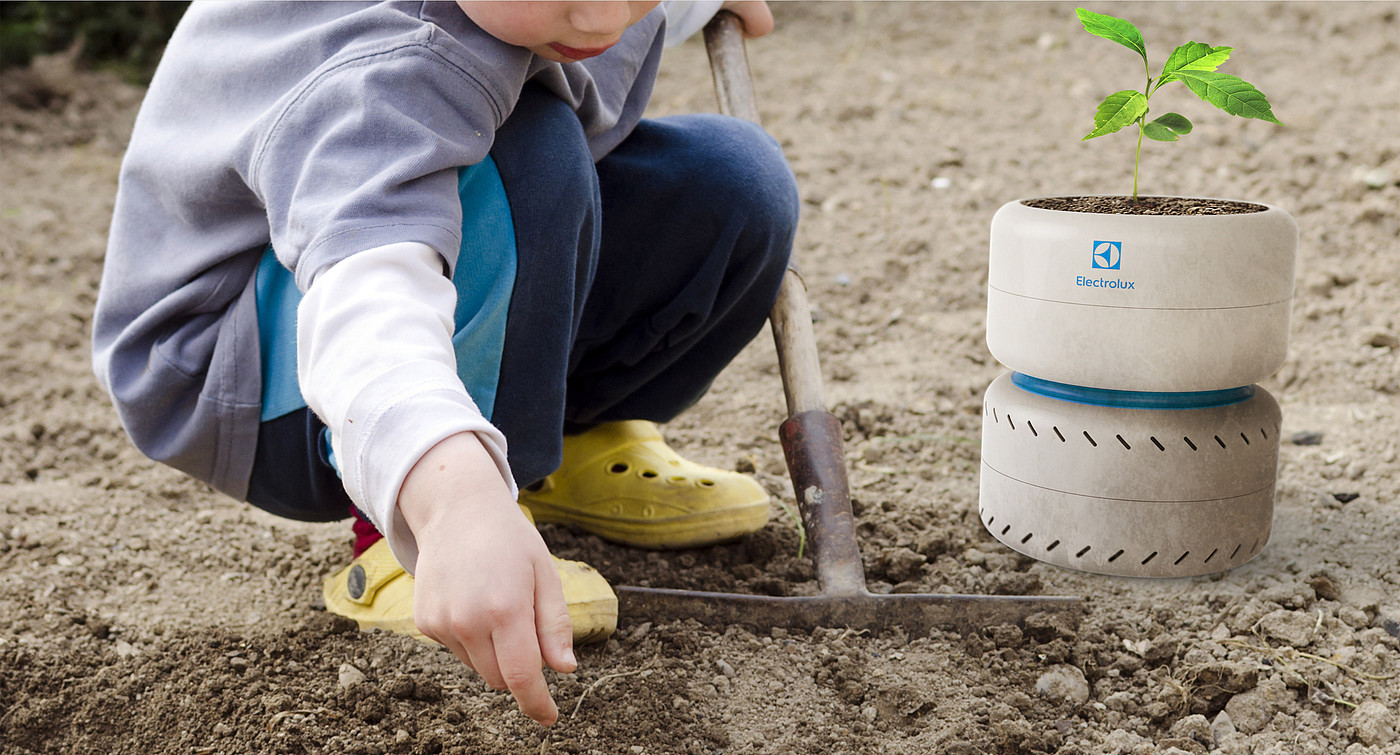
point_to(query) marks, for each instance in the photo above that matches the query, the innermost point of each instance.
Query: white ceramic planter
(1133, 441)
(1141, 302)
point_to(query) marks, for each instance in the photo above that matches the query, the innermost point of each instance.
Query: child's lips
(578, 53)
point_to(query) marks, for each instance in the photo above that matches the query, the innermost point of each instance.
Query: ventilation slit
(1246, 438)
(1092, 442)
(1189, 443)
(1115, 556)
(1212, 555)
(1182, 558)
(1012, 421)
(1082, 551)
(1124, 442)
(1027, 538)
(1264, 433)
(1150, 556)
(1058, 435)
(1158, 444)
(1005, 529)
(1032, 427)
(994, 415)
(1221, 442)
(989, 521)
(1255, 548)
(1234, 552)
(1052, 546)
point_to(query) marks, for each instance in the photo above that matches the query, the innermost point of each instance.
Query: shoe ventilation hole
(1264, 433)
(994, 415)
(706, 483)
(1235, 551)
(1124, 442)
(1052, 546)
(676, 478)
(990, 520)
(1115, 556)
(1092, 442)
(1150, 556)
(1058, 435)
(1032, 427)
(1082, 551)
(1189, 443)
(1221, 442)
(619, 468)
(1254, 548)
(650, 474)
(1005, 529)
(1245, 437)
(1158, 444)
(1181, 558)
(1027, 538)
(1011, 421)
(1212, 555)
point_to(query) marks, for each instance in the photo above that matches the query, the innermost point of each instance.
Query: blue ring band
(1132, 399)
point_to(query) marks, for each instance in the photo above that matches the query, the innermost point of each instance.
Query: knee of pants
(744, 164)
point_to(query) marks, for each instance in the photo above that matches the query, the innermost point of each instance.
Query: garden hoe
(811, 440)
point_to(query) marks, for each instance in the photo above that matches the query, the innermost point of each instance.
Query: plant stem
(1137, 159)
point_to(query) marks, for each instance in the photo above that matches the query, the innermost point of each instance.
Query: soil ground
(142, 613)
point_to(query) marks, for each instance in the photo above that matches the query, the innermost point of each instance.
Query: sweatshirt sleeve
(375, 362)
(366, 153)
(685, 17)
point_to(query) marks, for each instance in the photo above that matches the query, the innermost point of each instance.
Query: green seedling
(1193, 64)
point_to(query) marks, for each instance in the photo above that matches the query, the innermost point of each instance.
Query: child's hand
(755, 16)
(485, 585)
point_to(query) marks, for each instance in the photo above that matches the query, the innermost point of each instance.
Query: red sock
(365, 533)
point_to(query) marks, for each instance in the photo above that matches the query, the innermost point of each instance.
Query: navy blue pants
(639, 278)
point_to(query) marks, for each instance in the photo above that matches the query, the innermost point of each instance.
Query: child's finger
(518, 653)
(552, 623)
(482, 653)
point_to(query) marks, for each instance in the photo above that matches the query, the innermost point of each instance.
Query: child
(411, 261)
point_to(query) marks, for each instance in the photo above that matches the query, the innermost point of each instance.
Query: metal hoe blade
(811, 440)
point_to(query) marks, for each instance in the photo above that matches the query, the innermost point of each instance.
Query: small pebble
(1374, 724)
(1346, 497)
(1377, 178)
(1306, 438)
(1063, 682)
(350, 676)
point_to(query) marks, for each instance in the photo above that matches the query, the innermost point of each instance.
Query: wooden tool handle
(791, 316)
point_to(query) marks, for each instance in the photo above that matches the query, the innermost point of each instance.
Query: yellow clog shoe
(378, 594)
(621, 482)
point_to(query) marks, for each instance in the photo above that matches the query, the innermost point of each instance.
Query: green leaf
(1177, 122)
(1229, 93)
(1116, 111)
(1195, 56)
(1114, 29)
(1159, 133)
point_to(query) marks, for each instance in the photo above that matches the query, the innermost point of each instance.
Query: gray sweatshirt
(324, 129)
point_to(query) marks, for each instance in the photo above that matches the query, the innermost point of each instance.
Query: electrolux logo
(1108, 255)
